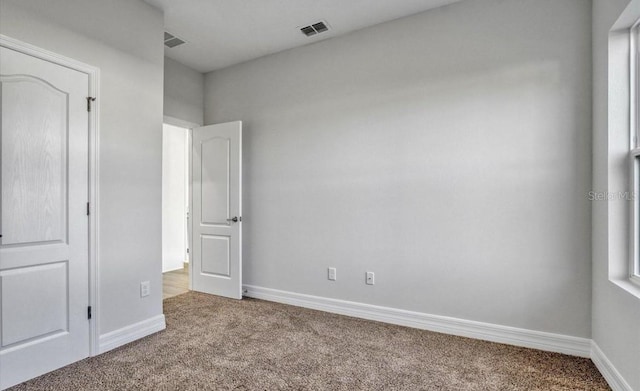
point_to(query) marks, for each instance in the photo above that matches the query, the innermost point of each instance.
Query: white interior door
(216, 218)
(44, 225)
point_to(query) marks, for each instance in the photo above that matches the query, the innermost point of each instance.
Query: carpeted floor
(213, 343)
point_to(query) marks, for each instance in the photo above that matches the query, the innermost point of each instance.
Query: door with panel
(44, 269)
(216, 218)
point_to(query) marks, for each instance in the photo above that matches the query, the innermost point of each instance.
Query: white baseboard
(131, 333)
(466, 328)
(609, 372)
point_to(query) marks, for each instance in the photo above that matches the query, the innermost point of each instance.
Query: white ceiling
(220, 33)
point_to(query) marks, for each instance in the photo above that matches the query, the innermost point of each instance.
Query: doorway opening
(202, 209)
(175, 210)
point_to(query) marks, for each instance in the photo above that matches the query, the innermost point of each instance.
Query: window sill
(631, 285)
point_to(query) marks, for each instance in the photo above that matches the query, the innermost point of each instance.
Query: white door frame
(94, 142)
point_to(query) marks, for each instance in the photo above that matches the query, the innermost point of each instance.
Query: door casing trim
(93, 74)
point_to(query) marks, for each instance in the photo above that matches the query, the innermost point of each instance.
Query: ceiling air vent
(315, 28)
(171, 40)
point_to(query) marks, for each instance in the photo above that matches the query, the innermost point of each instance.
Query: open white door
(216, 218)
(44, 172)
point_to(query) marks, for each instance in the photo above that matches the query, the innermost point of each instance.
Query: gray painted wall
(448, 152)
(130, 58)
(616, 312)
(183, 92)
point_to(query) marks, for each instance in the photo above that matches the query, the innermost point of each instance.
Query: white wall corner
(114, 339)
(609, 372)
(466, 328)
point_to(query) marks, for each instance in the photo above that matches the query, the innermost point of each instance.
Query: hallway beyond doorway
(175, 282)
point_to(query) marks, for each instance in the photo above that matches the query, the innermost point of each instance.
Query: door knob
(235, 219)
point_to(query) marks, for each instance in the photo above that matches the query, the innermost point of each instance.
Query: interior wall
(183, 92)
(448, 152)
(174, 197)
(130, 57)
(616, 311)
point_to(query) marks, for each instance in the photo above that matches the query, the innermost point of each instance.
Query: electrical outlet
(332, 273)
(370, 278)
(145, 288)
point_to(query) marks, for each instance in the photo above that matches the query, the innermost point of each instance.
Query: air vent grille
(171, 40)
(320, 27)
(315, 28)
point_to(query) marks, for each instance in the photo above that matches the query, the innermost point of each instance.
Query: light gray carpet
(218, 344)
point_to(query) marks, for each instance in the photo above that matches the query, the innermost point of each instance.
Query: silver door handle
(235, 219)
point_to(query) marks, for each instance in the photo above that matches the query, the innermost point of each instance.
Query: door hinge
(88, 209)
(89, 312)
(89, 100)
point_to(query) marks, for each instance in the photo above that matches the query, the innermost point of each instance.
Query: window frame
(634, 264)
(634, 154)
